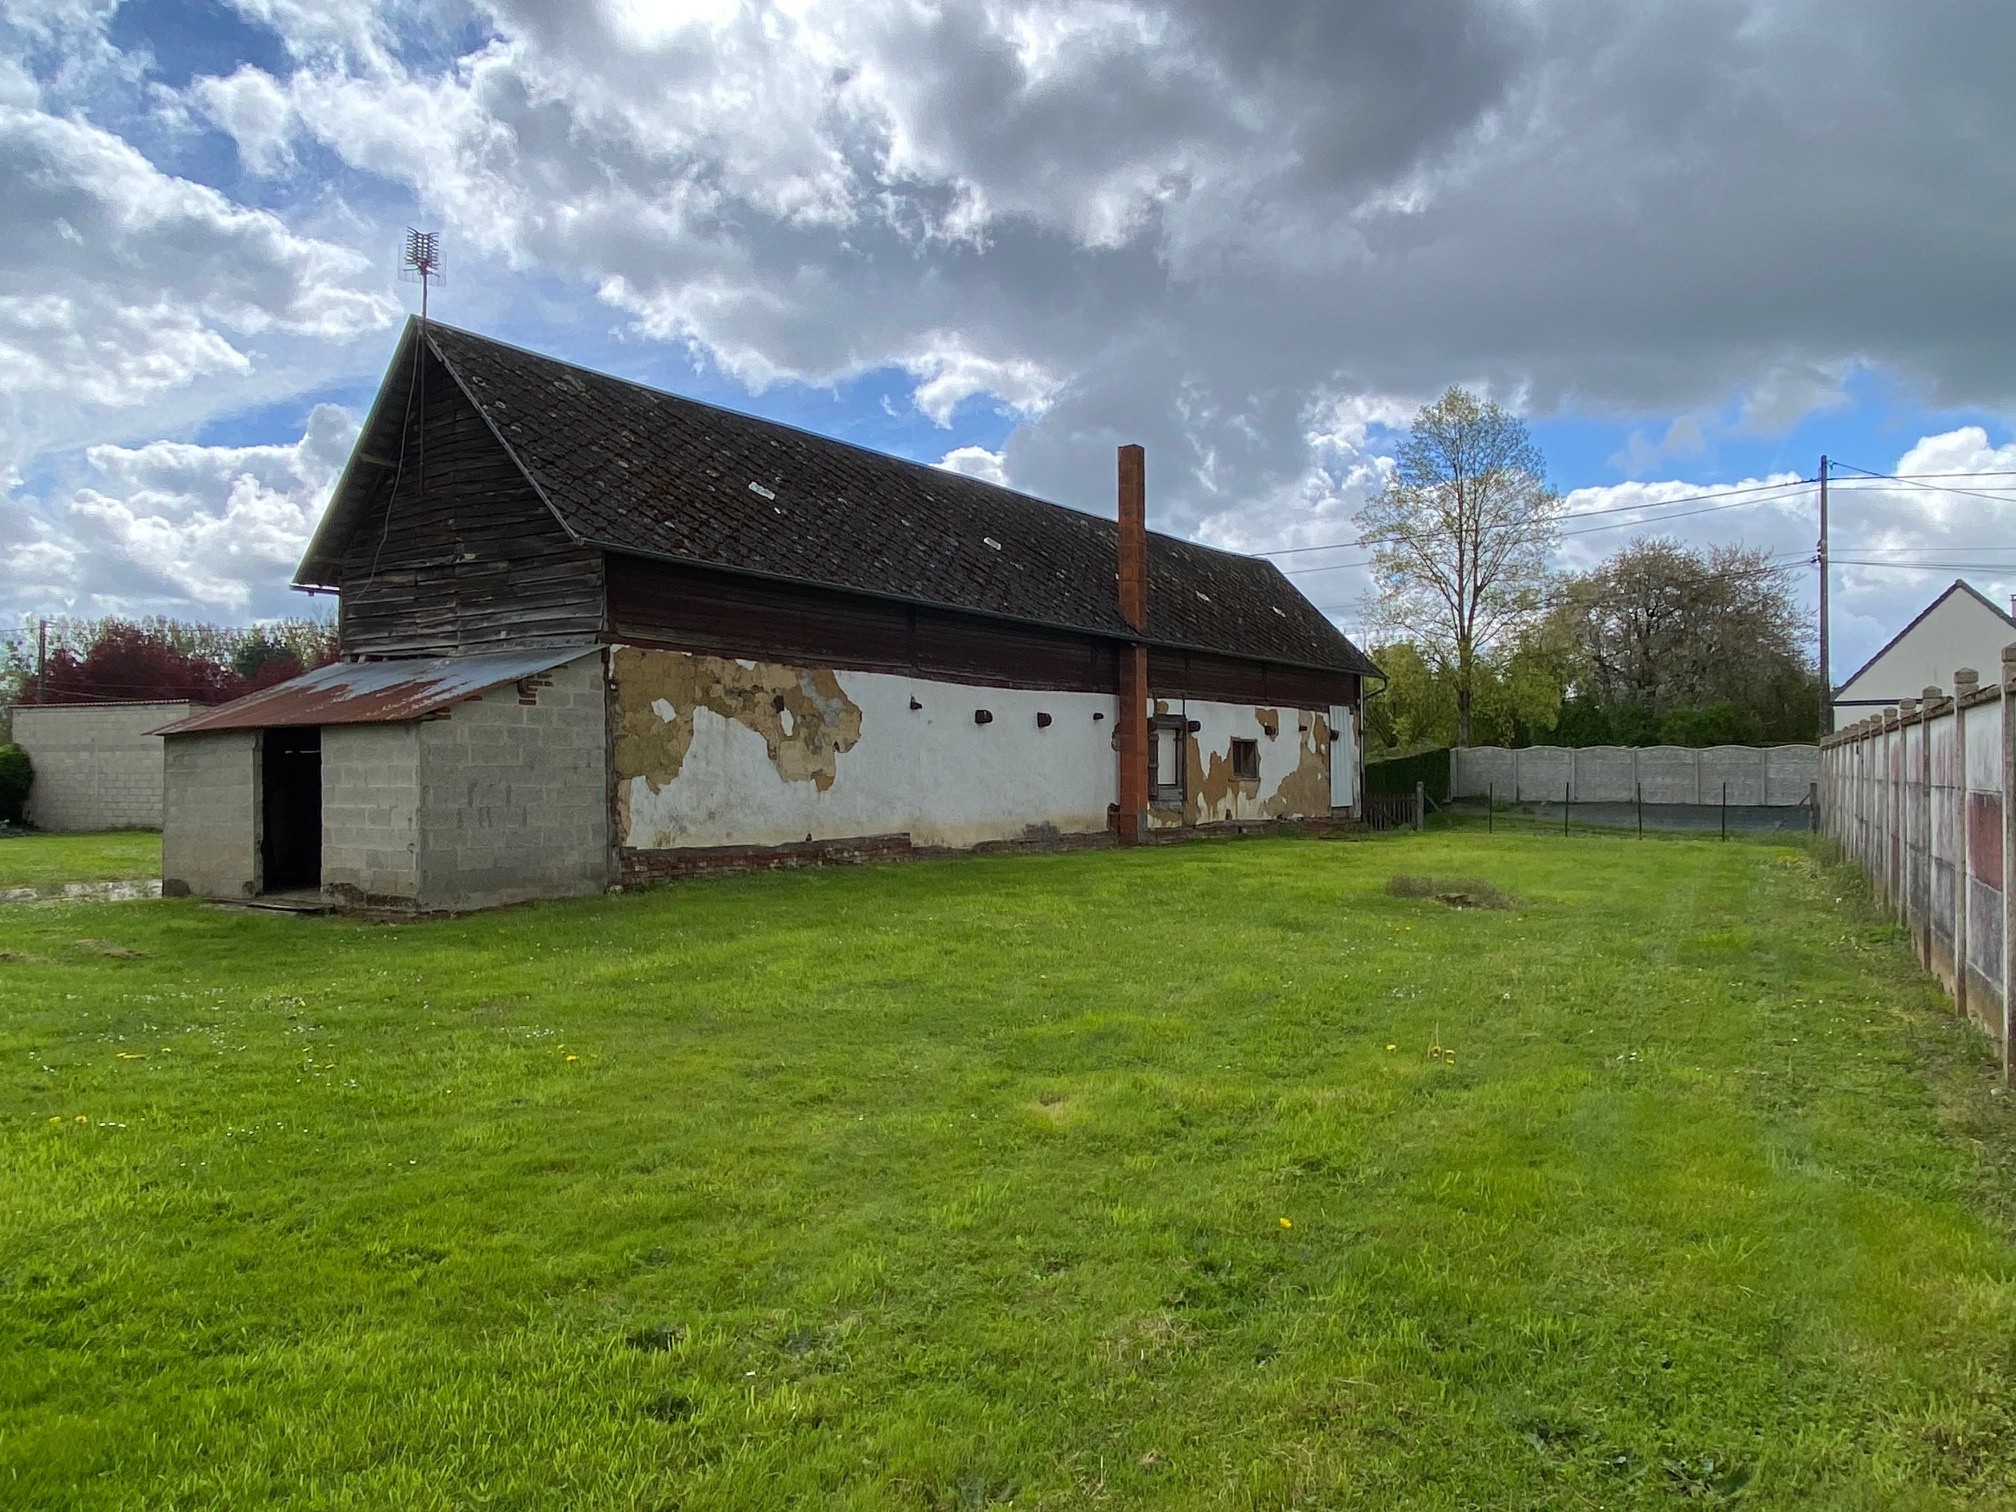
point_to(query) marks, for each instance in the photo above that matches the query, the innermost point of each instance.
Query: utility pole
(42, 661)
(1826, 669)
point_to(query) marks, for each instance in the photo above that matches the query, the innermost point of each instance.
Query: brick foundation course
(641, 868)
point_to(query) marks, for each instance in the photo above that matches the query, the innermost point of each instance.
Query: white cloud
(975, 462)
(120, 283)
(250, 107)
(1245, 236)
(201, 532)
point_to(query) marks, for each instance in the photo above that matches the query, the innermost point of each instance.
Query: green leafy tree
(1460, 538)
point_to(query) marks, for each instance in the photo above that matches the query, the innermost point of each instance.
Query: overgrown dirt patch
(1454, 892)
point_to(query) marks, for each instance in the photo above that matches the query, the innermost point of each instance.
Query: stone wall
(96, 767)
(210, 834)
(1755, 775)
(514, 793)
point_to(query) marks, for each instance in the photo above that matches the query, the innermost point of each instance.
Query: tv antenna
(421, 259)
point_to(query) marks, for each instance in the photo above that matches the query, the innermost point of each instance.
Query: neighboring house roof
(374, 692)
(1970, 629)
(632, 469)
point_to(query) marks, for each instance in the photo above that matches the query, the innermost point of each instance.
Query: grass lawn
(51, 860)
(1120, 1179)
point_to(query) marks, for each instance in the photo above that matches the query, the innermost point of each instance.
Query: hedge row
(15, 775)
(1398, 776)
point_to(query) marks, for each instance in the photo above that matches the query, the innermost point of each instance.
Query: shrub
(15, 776)
(1397, 777)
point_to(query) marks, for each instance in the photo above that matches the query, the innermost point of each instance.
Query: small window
(1246, 760)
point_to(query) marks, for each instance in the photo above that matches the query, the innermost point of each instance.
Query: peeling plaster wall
(1294, 763)
(714, 751)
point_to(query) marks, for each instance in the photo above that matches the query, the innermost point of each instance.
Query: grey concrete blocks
(96, 767)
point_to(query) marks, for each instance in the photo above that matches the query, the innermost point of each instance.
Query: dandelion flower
(1285, 1223)
(82, 1119)
(1392, 1047)
(573, 1057)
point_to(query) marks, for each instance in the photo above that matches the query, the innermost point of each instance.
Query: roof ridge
(821, 436)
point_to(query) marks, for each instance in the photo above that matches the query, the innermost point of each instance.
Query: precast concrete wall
(96, 767)
(1754, 775)
(1918, 796)
(210, 818)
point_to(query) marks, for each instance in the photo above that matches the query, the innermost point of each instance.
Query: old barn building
(595, 634)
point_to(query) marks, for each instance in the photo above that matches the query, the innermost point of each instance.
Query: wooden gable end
(454, 550)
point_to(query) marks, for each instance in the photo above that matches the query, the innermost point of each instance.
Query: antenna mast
(422, 260)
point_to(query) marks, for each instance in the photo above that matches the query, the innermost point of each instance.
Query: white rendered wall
(1958, 631)
(931, 772)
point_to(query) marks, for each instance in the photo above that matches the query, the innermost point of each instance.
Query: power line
(1585, 514)
(1782, 561)
(1585, 530)
(1916, 482)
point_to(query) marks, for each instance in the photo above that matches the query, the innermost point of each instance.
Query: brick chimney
(1131, 738)
(1134, 537)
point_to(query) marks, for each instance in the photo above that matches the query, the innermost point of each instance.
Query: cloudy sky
(1697, 243)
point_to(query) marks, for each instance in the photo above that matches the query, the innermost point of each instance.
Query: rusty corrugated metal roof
(375, 692)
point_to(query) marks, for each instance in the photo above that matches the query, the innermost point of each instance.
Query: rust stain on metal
(806, 720)
(375, 692)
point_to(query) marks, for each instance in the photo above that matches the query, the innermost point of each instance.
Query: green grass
(1118, 1179)
(51, 860)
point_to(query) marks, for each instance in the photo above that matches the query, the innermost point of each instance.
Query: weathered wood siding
(694, 609)
(470, 557)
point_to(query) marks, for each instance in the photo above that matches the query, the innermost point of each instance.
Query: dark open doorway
(290, 847)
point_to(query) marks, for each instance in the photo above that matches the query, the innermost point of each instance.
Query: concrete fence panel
(1776, 775)
(96, 767)
(1605, 774)
(1480, 771)
(1919, 798)
(1545, 773)
(1669, 774)
(1732, 772)
(1790, 772)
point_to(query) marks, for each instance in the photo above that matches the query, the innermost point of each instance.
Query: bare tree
(1664, 627)
(1461, 535)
